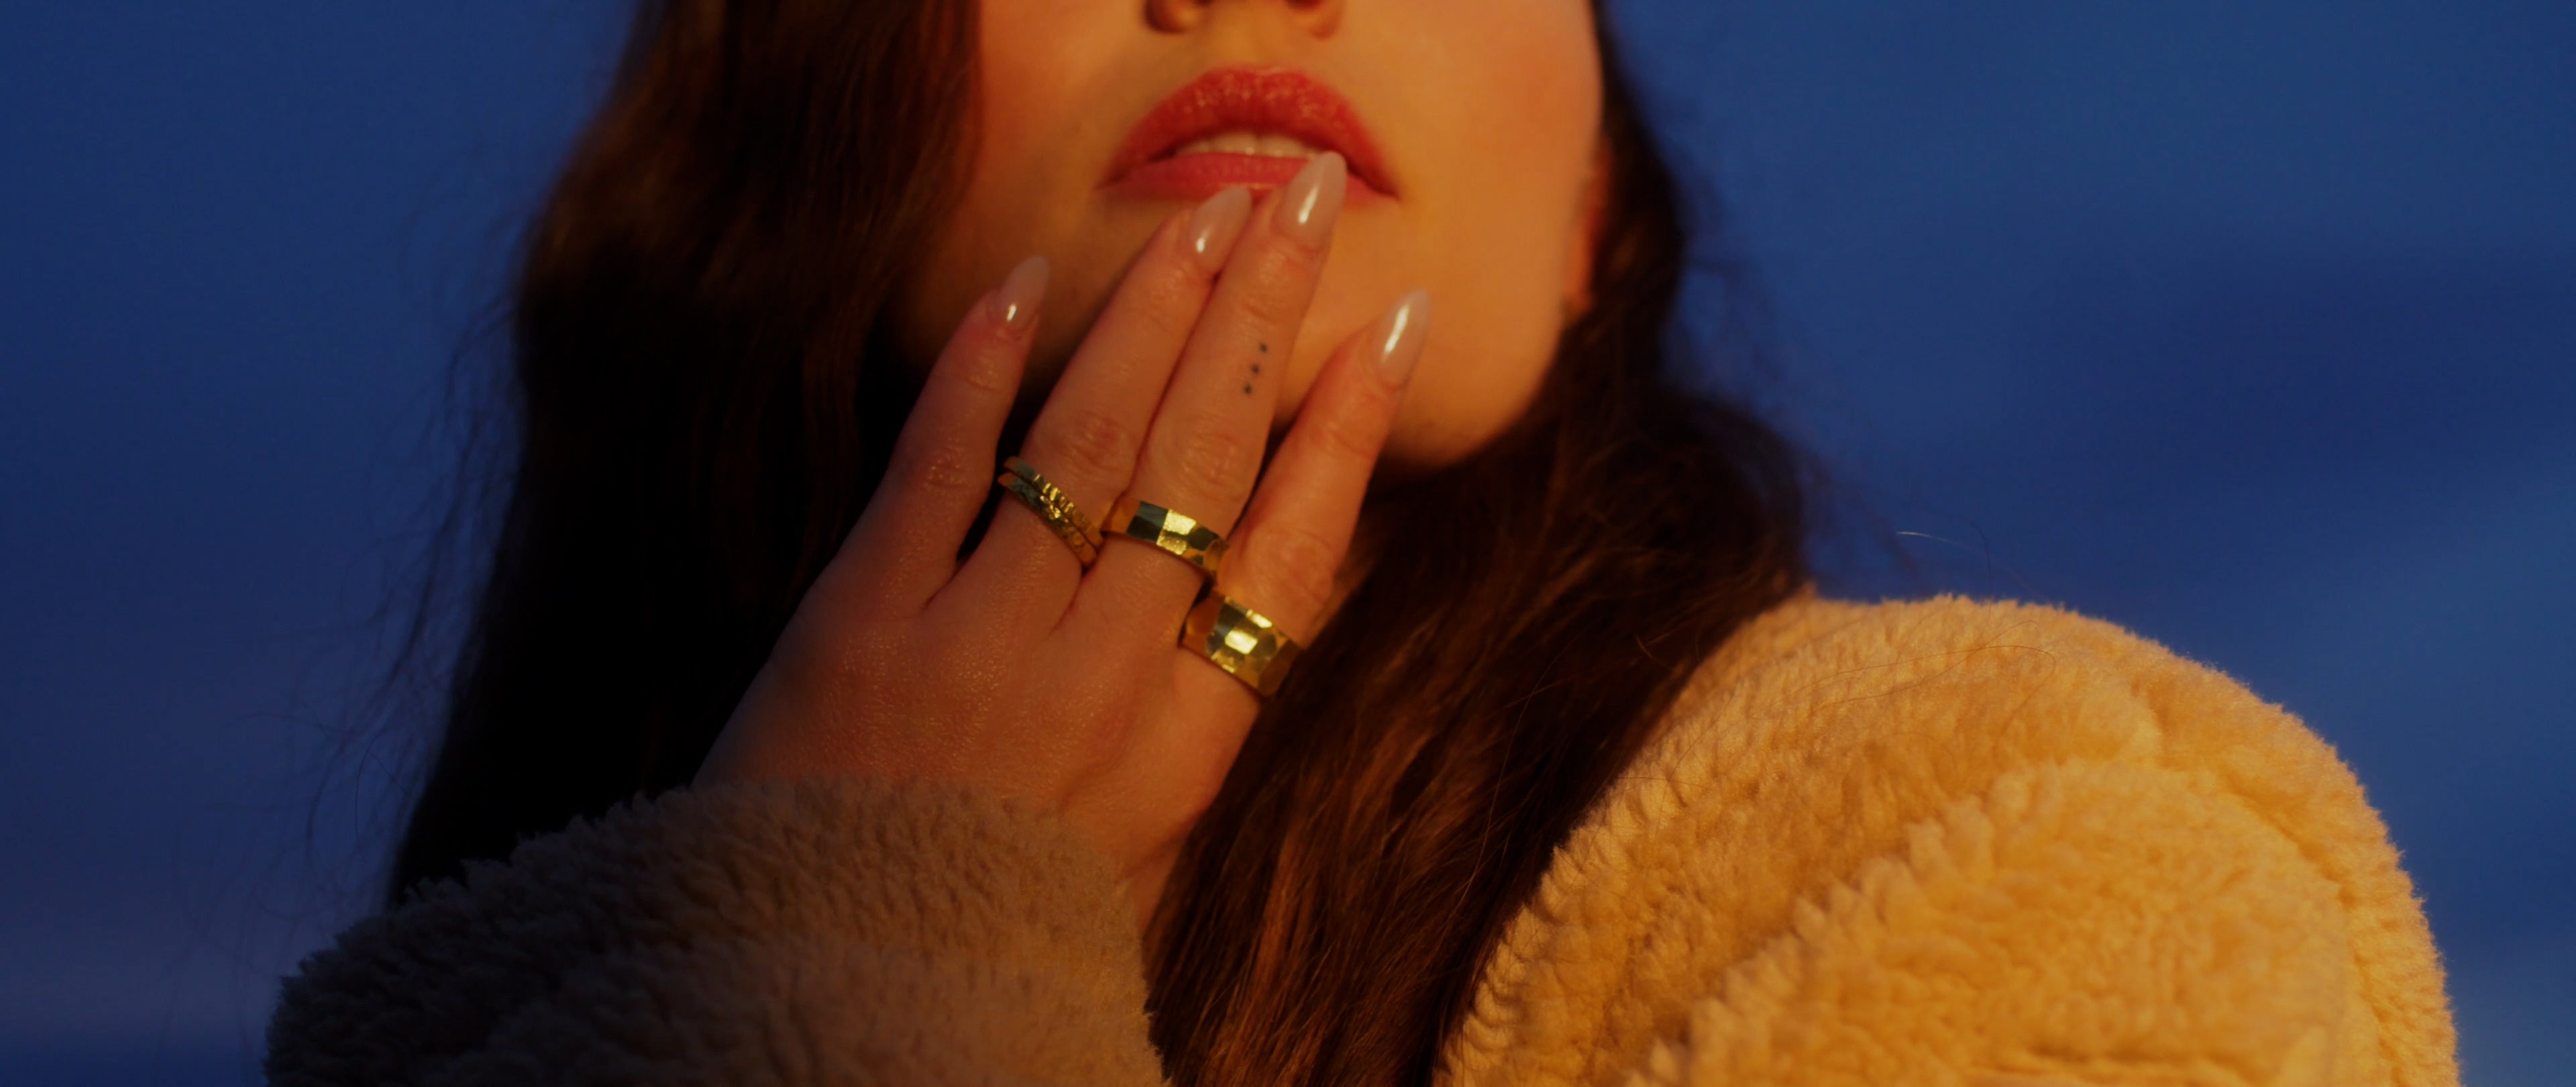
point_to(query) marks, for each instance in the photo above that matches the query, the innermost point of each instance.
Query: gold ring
(1054, 507)
(1240, 640)
(1178, 534)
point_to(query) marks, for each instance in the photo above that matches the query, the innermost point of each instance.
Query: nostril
(1172, 15)
(1175, 15)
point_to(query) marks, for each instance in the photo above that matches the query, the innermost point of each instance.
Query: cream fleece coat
(1938, 842)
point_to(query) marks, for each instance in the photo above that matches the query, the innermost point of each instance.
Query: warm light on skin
(1487, 115)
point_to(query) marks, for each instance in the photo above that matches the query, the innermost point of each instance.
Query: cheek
(1495, 106)
(1022, 191)
(1503, 114)
(1496, 315)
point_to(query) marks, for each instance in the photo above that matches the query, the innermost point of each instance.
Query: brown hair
(697, 431)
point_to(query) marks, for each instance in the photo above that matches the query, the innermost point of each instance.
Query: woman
(1503, 740)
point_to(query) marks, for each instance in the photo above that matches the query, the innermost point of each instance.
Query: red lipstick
(1280, 101)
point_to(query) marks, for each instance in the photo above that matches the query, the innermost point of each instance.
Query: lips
(1276, 101)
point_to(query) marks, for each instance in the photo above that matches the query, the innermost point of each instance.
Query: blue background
(2248, 329)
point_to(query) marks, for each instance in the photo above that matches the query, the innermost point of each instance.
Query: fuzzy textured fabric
(1935, 842)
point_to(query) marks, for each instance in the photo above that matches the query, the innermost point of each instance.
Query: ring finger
(1085, 439)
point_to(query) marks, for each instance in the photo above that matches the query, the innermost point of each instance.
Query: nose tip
(1317, 15)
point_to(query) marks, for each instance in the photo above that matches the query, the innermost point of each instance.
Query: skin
(1151, 357)
(1487, 116)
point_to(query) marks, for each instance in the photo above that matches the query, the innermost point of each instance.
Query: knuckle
(1284, 262)
(1194, 795)
(939, 466)
(864, 657)
(1273, 306)
(847, 663)
(1295, 568)
(984, 366)
(1352, 435)
(1213, 461)
(1278, 289)
(1162, 324)
(1168, 309)
(1095, 443)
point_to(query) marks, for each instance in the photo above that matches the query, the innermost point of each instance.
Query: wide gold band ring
(1240, 640)
(1052, 506)
(1177, 534)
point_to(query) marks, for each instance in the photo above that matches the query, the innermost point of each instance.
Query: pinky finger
(904, 547)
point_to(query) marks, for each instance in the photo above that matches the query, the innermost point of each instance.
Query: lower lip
(1199, 176)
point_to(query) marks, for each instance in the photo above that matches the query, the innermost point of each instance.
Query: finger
(1204, 449)
(904, 546)
(1085, 440)
(1289, 545)
(1285, 556)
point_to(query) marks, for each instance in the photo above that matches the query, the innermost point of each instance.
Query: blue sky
(2251, 330)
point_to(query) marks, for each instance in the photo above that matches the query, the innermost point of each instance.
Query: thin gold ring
(1243, 642)
(1054, 507)
(1177, 534)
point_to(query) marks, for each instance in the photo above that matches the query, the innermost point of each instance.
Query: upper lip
(1280, 100)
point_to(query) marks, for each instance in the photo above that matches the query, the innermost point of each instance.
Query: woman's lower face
(1472, 127)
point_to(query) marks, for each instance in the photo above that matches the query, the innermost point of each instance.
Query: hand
(1016, 670)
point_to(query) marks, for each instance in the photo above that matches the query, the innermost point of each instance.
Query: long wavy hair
(704, 392)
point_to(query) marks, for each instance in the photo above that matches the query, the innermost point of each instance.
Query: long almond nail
(1214, 227)
(1312, 201)
(1016, 304)
(1398, 337)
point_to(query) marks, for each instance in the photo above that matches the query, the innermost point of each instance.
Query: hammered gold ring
(1240, 640)
(1177, 534)
(1052, 506)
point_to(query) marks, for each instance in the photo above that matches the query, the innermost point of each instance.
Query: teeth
(1285, 147)
(1245, 142)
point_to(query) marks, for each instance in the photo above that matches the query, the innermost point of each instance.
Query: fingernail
(1399, 336)
(1016, 304)
(1214, 227)
(1312, 201)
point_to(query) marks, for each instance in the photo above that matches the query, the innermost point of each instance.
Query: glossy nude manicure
(1214, 227)
(1397, 337)
(1016, 304)
(1310, 203)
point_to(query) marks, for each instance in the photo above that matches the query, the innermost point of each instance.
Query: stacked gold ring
(1243, 642)
(1177, 534)
(1052, 506)
(1240, 640)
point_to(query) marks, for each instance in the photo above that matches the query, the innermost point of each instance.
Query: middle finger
(1204, 451)
(1085, 440)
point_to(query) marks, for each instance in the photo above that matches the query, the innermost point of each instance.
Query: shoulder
(2017, 797)
(1899, 710)
(1940, 693)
